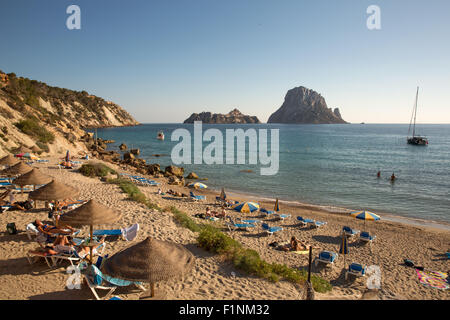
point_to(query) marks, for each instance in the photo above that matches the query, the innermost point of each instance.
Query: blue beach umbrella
(246, 207)
(365, 215)
(198, 185)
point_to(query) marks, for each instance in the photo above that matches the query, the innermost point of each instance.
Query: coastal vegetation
(95, 170)
(33, 128)
(214, 240)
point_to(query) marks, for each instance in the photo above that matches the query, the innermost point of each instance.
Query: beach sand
(211, 277)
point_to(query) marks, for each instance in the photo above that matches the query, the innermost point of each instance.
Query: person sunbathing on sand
(62, 242)
(51, 230)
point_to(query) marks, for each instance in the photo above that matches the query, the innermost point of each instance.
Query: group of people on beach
(55, 240)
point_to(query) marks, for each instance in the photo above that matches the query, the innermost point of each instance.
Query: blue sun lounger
(326, 257)
(128, 234)
(349, 231)
(366, 237)
(98, 280)
(270, 230)
(356, 269)
(196, 198)
(284, 216)
(318, 224)
(267, 212)
(241, 226)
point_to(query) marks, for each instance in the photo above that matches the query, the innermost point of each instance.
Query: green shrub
(42, 146)
(134, 193)
(33, 128)
(96, 170)
(184, 220)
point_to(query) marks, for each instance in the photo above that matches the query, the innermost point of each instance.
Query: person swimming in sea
(379, 174)
(393, 177)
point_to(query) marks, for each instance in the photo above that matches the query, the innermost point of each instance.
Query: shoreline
(334, 210)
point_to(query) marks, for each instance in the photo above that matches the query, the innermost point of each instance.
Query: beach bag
(28, 205)
(11, 228)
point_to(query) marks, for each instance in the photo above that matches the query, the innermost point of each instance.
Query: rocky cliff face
(234, 116)
(32, 112)
(303, 105)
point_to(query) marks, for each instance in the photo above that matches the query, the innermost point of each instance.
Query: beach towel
(433, 279)
(301, 252)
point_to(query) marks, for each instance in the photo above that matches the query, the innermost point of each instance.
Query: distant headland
(234, 116)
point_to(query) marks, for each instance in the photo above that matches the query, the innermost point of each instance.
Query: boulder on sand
(174, 171)
(123, 146)
(192, 175)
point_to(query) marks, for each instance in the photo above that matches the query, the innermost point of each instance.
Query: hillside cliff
(34, 113)
(303, 105)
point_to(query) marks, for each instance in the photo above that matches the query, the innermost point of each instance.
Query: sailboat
(415, 140)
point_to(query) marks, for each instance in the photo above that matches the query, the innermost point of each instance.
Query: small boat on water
(160, 135)
(415, 140)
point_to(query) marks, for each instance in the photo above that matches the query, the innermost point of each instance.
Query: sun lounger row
(140, 180)
(312, 223)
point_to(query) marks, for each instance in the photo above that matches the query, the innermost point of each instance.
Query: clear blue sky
(163, 60)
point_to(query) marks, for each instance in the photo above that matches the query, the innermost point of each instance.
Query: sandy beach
(212, 278)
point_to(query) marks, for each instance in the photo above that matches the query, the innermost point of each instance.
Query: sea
(331, 166)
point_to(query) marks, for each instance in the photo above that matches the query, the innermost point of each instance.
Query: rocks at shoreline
(234, 116)
(303, 105)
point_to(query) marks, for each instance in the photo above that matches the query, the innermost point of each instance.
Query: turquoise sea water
(330, 165)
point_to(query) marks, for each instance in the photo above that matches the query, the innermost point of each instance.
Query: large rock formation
(32, 112)
(234, 116)
(303, 105)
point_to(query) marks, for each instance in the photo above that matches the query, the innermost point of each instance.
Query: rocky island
(234, 116)
(303, 105)
(34, 113)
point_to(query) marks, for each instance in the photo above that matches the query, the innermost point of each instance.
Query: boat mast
(415, 113)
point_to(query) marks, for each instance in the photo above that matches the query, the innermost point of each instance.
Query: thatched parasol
(34, 177)
(21, 149)
(89, 214)
(8, 160)
(54, 191)
(19, 168)
(150, 261)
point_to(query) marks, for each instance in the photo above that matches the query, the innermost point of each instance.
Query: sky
(163, 60)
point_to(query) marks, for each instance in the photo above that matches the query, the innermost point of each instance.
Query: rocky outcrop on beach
(303, 105)
(54, 119)
(234, 116)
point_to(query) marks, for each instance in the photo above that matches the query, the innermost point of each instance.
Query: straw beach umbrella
(34, 177)
(54, 191)
(8, 160)
(17, 169)
(91, 213)
(150, 261)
